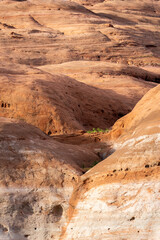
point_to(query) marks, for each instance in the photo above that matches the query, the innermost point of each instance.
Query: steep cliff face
(119, 197)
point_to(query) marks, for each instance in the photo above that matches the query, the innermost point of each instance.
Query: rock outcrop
(119, 197)
(130, 81)
(37, 175)
(57, 104)
(143, 118)
(89, 44)
(68, 67)
(35, 33)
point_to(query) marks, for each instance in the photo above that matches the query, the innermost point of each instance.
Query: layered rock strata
(119, 197)
(37, 175)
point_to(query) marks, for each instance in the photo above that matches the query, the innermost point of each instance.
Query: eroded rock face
(67, 68)
(57, 104)
(99, 33)
(117, 211)
(130, 81)
(145, 113)
(37, 175)
(119, 197)
(100, 46)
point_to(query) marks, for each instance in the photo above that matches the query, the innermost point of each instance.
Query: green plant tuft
(98, 130)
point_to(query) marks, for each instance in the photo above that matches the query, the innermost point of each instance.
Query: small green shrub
(98, 130)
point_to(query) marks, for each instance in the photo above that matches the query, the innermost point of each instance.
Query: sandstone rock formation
(103, 46)
(130, 81)
(57, 104)
(35, 33)
(37, 175)
(89, 44)
(144, 117)
(119, 197)
(68, 67)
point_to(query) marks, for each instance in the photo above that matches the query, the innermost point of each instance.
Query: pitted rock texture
(111, 50)
(37, 175)
(58, 104)
(117, 211)
(67, 67)
(119, 197)
(35, 33)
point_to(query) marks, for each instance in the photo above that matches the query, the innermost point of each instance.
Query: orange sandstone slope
(57, 104)
(144, 116)
(35, 33)
(115, 51)
(111, 55)
(130, 81)
(119, 197)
